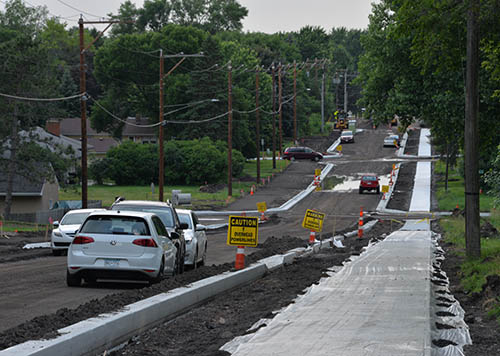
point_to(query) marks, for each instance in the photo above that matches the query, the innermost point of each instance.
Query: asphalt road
(37, 287)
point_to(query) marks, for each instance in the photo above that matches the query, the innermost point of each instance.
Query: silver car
(196, 239)
(392, 140)
(121, 245)
(65, 230)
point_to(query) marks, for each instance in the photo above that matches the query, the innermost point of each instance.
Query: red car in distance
(369, 182)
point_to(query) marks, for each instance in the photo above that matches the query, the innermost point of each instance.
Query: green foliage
(492, 178)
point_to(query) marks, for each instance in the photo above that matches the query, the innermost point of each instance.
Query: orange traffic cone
(262, 217)
(360, 226)
(457, 207)
(251, 190)
(240, 258)
(312, 237)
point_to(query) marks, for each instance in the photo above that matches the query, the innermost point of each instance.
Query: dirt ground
(203, 330)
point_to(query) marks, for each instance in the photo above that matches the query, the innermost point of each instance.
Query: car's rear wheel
(160, 274)
(316, 159)
(360, 190)
(73, 280)
(203, 258)
(292, 158)
(378, 190)
(91, 280)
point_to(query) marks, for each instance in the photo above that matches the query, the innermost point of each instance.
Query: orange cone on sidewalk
(240, 258)
(312, 237)
(262, 217)
(251, 190)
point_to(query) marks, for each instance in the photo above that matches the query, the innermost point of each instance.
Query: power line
(81, 11)
(41, 99)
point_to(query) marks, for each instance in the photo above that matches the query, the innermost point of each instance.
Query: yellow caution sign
(385, 189)
(262, 207)
(243, 231)
(313, 220)
(317, 172)
(339, 148)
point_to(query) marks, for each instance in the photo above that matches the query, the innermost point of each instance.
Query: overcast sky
(267, 16)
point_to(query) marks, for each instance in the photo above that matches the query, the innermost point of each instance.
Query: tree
(26, 70)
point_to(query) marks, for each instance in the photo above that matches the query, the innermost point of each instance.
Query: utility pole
(161, 170)
(229, 133)
(280, 110)
(472, 231)
(83, 110)
(295, 102)
(83, 100)
(345, 92)
(273, 74)
(323, 98)
(257, 123)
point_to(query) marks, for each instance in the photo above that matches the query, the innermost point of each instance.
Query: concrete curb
(97, 334)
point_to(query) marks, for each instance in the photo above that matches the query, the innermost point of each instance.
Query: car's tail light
(82, 240)
(145, 242)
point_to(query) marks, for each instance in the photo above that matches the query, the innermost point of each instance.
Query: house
(99, 143)
(29, 195)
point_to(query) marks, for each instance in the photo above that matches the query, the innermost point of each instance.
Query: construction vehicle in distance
(340, 120)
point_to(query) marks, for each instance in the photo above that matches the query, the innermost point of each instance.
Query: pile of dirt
(488, 230)
(212, 188)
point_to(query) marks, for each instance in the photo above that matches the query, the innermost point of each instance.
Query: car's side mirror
(183, 226)
(56, 224)
(200, 227)
(174, 235)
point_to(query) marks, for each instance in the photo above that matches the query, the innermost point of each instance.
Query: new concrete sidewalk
(379, 304)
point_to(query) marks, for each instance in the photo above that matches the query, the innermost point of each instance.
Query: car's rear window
(369, 178)
(165, 214)
(117, 225)
(74, 219)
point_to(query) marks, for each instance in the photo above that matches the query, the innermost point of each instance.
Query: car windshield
(347, 133)
(165, 214)
(116, 225)
(370, 178)
(185, 218)
(74, 219)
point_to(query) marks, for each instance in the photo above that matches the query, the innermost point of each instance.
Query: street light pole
(161, 167)
(229, 133)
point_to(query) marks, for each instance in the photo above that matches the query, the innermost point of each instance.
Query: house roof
(101, 144)
(72, 127)
(22, 185)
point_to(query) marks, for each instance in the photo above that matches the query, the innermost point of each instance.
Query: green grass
(19, 226)
(475, 271)
(266, 167)
(448, 200)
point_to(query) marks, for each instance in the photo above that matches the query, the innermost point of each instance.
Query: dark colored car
(369, 182)
(168, 215)
(293, 153)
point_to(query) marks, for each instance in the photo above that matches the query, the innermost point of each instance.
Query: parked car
(127, 245)
(391, 140)
(293, 153)
(196, 239)
(168, 216)
(65, 230)
(346, 136)
(369, 182)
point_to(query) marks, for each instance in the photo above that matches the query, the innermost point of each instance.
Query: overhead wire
(81, 11)
(41, 99)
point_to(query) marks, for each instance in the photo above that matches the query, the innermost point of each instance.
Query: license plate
(111, 263)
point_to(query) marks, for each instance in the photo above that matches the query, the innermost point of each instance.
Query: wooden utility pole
(345, 92)
(295, 102)
(229, 132)
(83, 100)
(161, 163)
(323, 97)
(472, 230)
(257, 122)
(83, 111)
(273, 74)
(280, 111)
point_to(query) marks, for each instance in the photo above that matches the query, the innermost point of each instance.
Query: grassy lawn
(448, 200)
(108, 193)
(18, 226)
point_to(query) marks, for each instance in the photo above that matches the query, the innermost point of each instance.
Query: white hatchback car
(196, 239)
(121, 245)
(65, 230)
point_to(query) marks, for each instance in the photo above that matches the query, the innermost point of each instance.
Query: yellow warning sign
(339, 148)
(385, 189)
(262, 207)
(317, 172)
(313, 220)
(243, 231)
